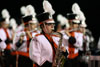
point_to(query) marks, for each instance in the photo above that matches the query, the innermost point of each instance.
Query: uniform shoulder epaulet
(55, 35)
(38, 35)
(20, 31)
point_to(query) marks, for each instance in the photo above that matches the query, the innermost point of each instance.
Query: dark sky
(91, 9)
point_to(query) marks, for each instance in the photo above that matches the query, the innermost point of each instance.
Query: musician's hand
(63, 49)
(54, 65)
(72, 40)
(0, 40)
(7, 41)
(21, 38)
(29, 34)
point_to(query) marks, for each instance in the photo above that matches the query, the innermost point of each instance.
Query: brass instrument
(67, 32)
(59, 57)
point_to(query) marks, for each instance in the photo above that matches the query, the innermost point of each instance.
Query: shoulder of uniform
(55, 35)
(1, 30)
(35, 31)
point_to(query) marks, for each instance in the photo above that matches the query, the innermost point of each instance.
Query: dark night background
(91, 9)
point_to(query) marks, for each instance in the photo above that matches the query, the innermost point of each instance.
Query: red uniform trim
(38, 34)
(20, 53)
(71, 49)
(34, 65)
(7, 35)
(55, 45)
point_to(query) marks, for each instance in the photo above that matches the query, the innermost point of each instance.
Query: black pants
(24, 61)
(1, 62)
(46, 64)
(72, 62)
(8, 58)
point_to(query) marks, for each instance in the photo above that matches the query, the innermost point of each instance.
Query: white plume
(75, 8)
(63, 20)
(20, 28)
(48, 7)
(23, 10)
(7, 21)
(31, 10)
(5, 13)
(98, 46)
(81, 16)
(13, 23)
(83, 24)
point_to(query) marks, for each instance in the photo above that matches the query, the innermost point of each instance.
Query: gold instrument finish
(59, 57)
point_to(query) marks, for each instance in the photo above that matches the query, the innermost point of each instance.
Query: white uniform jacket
(40, 49)
(2, 45)
(23, 46)
(3, 37)
(79, 39)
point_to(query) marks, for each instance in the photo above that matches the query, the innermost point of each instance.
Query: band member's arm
(0, 40)
(20, 41)
(64, 51)
(2, 44)
(35, 52)
(29, 34)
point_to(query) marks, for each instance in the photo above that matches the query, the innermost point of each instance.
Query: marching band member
(22, 40)
(43, 46)
(6, 36)
(75, 41)
(2, 43)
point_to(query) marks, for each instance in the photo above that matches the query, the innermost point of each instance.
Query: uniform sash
(53, 44)
(7, 35)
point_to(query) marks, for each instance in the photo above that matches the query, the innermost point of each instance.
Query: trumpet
(74, 29)
(67, 31)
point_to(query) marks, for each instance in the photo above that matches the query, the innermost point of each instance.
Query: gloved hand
(0, 40)
(47, 64)
(65, 53)
(72, 40)
(19, 43)
(7, 41)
